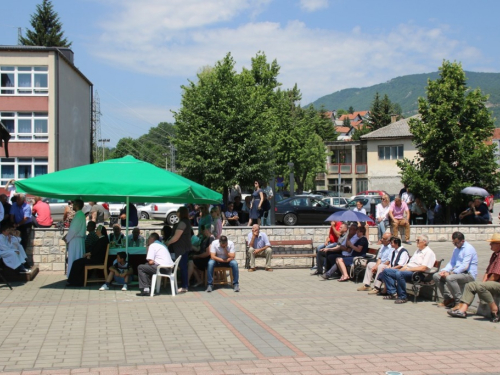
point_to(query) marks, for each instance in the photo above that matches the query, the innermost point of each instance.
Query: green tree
(380, 113)
(325, 127)
(362, 130)
(296, 139)
(341, 112)
(351, 110)
(223, 125)
(346, 122)
(450, 138)
(47, 28)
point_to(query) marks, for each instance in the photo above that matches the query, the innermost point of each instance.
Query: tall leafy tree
(325, 127)
(346, 122)
(450, 137)
(296, 139)
(223, 125)
(47, 28)
(351, 110)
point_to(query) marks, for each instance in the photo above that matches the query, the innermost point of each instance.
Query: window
(24, 80)
(21, 168)
(361, 184)
(26, 126)
(390, 152)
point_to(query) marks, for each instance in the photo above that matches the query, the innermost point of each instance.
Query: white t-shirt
(219, 252)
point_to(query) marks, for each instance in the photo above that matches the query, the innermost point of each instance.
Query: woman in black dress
(96, 255)
(256, 206)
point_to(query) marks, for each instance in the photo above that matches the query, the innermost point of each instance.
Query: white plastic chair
(172, 277)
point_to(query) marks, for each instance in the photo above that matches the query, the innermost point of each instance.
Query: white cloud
(313, 5)
(179, 37)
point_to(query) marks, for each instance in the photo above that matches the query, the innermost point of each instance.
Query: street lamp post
(292, 179)
(166, 160)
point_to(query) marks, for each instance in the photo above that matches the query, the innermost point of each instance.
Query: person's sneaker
(124, 287)
(325, 276)
(373, 291)
(25, 271)
(236, 287)
(210, 288)
(104, 287)
(364, 288)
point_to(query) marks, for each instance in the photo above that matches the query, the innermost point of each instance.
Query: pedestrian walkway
(281, 322)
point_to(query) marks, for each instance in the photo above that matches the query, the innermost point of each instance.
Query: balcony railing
(361, 168)
(344, 168)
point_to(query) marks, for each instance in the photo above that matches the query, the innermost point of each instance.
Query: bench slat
(291, 242)
(299, 255)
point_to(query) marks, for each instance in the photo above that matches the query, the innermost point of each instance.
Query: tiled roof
(398, 129)
(361, 113)
(342, 129)
(496, 133)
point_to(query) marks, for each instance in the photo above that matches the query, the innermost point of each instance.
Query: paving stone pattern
(281, 322)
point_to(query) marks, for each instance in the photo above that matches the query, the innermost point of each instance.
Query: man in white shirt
(395, 280)
(157, 255)
(259, 245)
(375, 268)
(11, 250)
(222, 255)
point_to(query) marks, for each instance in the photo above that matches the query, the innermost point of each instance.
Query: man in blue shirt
(259, 245)
(20, 216)
(461, 269)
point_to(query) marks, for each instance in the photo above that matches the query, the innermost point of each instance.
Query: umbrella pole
(127, 201)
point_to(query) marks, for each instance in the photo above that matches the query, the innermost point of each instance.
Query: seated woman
(201, 258)
(96, 255)
(358, 249)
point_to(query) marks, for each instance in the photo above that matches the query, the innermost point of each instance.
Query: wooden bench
(308, 250)
(420, 280)
(359, 264)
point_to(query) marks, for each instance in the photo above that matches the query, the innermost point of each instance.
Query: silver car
(336, 201)
(165, 211)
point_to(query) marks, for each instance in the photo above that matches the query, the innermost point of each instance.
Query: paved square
(281, 322)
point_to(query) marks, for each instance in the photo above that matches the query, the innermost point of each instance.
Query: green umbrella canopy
(116, 179)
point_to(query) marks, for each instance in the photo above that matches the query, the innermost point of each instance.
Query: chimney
(394, 118)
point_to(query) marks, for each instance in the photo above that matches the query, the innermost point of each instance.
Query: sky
(138, 53)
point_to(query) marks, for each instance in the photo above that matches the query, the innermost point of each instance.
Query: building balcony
(361, 168)
(339, 168)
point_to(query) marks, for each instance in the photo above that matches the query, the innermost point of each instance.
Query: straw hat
(495, 238)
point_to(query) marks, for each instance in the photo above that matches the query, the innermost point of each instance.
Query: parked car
(303, 209)
(144, 211)
(165, 211)
(326, 193)
(57, 207)
(373, 192)
(336, 201)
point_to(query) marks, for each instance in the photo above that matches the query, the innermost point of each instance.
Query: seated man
(466, 216)
(222, 255)
(490, 285)
(41, 214)
(397, 212)
(418, 211)
(481, 213)
(460, 270)
(337, 229)
(395, 280)
(95, 255)
(20, 216)
(11, 251)
(341, 250)
(399, 257)
(135, 239)
(116, 239)
(375, 268)
(259, 245)
(120, 272)
(231, 215)
(157, 255)
(91, 238)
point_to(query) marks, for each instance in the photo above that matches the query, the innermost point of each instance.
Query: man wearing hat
(222, 255)
(490, 285)
(460, 270)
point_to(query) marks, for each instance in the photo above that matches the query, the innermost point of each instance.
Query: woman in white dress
(75, 238)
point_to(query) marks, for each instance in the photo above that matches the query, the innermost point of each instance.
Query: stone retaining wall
(48, 249)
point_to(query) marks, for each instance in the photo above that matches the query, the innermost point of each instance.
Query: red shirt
(494, 266)
(333, 237)
(42, 210)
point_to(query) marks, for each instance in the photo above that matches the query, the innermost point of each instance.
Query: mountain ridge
(406, 90)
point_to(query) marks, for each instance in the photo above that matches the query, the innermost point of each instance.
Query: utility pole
(103, 142)
(172, 157)
(166, 160)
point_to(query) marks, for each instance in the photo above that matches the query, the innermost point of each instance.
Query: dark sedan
(303, 210)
